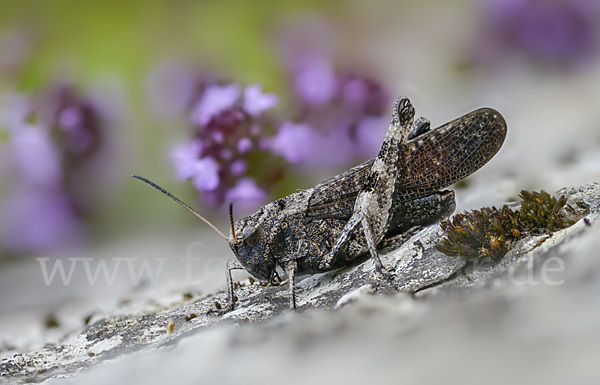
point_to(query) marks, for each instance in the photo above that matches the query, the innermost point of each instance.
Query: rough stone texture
(434, 287)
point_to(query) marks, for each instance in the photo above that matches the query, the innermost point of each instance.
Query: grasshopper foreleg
(231, 265)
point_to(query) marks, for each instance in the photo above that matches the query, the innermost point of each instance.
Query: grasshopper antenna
(231, 221)
(162, 190)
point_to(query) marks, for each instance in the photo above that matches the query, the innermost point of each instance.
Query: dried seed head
(494, 243)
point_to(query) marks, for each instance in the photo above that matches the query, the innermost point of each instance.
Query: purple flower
(364, 95)
(334, 109)
(206, 174)
(332, 104)
(49, 168)
(81, 123)
(335, 150)
(215, 100)
(188, 165)
(238, 167)
(562, 31)
(235, 142)
(355, 91)
(70, 118)
(294, 142)
(255, 102)
(37, 219)
(244, 145)
(184, 157)
(246, 194)
(72, 121)
(370, 133)
(301, 144)
(228, 132)
(35, 157)
(315, 82)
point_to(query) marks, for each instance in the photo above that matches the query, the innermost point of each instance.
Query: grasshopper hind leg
(373, 251)
(365, 228)
(357, 218)
(290, 270)
(372, 205)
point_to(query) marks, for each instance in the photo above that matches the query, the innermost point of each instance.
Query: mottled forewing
(335, 197)
(449, 153)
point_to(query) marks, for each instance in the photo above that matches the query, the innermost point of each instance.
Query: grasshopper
(352, 214)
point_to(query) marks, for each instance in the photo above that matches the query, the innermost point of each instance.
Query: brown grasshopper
(352, 214)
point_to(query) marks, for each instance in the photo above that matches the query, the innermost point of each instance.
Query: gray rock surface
(538, 305)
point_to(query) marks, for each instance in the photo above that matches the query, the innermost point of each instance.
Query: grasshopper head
(249, 242)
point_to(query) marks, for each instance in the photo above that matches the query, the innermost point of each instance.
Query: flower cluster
(341, 117)
(48, 141)
(233, 155)
(560, 32)
(239, 148)
(224, 158)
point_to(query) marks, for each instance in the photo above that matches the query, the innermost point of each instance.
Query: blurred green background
(116, 45)
(449, 57)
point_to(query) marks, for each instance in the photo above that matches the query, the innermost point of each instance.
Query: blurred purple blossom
(244, 145)
(337, 108)
(35, 158)
(238, 167)
(206, 175)
(552, 32)
(334, 109)
(315, 81)
(256, 102)
(75, 123)
(37, 219)
(371, 143)
(236, 148)
(215, 100)
(229, 128)
(184, 157)
(294, 142)
(245, 194)
(52, 137)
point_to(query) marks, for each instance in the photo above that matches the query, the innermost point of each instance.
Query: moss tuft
(490, 232)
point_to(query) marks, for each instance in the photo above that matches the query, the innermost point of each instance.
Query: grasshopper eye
(251, 236)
